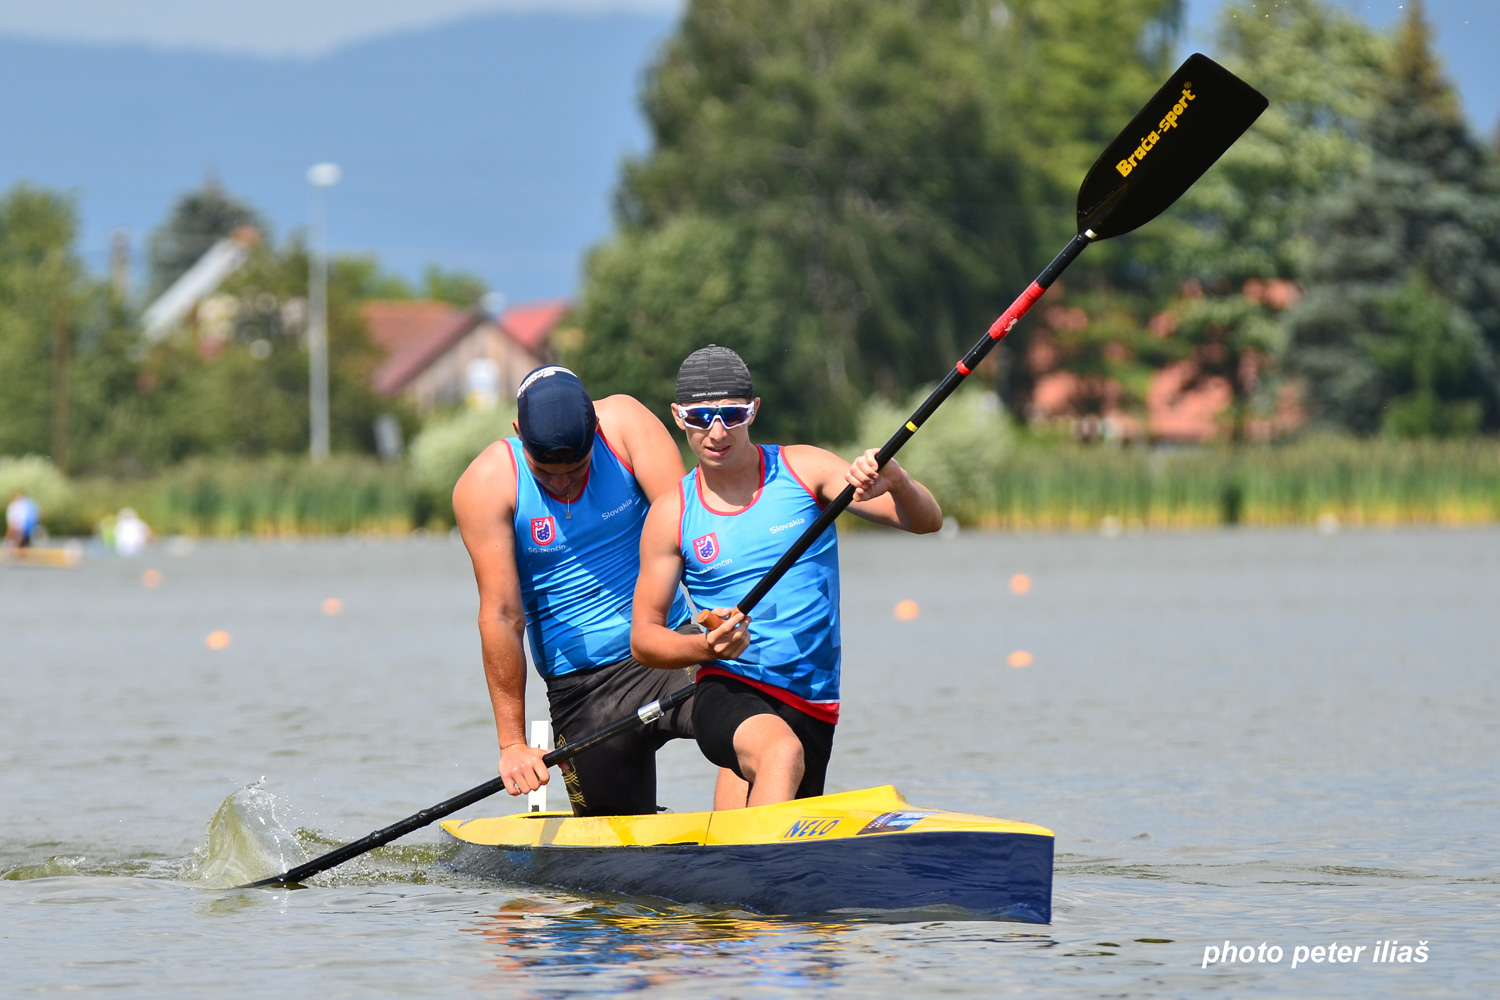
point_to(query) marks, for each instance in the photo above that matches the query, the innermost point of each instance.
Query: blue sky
(126, 103)
(1467, 29)
(267, 27)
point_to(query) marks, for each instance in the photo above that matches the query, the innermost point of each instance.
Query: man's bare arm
(652, 641)
(888, 496)
(643, 442)
(484, 506)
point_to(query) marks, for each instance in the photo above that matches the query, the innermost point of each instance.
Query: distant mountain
(491, 144)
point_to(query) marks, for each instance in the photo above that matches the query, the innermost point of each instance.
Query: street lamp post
(319, 176)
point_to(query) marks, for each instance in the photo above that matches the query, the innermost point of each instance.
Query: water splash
(250, 838)
(245, 841)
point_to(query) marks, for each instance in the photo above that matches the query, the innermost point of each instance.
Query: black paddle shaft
(646, 715)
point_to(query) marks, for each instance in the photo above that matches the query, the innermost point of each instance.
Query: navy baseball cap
(556, 416)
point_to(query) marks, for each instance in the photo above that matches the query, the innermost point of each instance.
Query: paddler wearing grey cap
(767, 695)
(552, 521)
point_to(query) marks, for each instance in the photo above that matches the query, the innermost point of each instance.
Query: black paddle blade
(1192, 120)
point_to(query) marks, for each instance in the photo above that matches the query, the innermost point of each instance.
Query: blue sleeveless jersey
(578, 562)
(795, 650)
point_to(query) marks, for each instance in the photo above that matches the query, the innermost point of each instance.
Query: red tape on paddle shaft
(945, 388)
(1018, 308)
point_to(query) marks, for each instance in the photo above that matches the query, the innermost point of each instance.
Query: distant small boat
(65, 557)
(863, 850)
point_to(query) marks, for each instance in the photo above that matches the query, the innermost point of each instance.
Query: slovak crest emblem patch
(706, 548)
(543, 530)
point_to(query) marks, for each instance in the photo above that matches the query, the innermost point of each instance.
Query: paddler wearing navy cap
(767, 696)
(552, 521)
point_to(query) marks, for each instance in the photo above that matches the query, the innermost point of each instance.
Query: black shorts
(617, 777)
(721, 704)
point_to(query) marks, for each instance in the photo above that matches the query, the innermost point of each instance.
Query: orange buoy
(907, 610)
(1020, 658)
(151, 579)
(1020, 583)
(217, 640)
(332, 606)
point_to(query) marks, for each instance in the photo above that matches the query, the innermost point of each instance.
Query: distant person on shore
(131, 533)
(552, 521)
(22, 517)
(767, 698)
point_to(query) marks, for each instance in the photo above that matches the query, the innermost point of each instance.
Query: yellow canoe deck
(880, 811)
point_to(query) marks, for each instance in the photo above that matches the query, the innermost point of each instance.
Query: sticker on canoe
(805, 828)
(892, 821)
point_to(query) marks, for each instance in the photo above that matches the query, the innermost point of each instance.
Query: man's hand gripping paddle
(1181, 132)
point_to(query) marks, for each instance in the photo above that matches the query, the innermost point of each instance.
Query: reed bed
(1358, 483)
(1040, 487)
(270, 497)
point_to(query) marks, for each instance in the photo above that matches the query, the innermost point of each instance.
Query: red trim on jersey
(825, 711)
(544, 489)
(615, 453)
(511, 454)
(788, 466)
(759, 490)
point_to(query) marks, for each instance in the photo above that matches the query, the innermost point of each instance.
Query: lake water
(1289, 738)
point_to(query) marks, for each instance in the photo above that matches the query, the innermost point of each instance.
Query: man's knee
(765, 743)
(785, 752)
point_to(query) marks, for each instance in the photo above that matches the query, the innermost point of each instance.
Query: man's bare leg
(770, 757)
(730, 791)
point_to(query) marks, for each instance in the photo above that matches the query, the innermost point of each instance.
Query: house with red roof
(435, 350)
(1182, 404)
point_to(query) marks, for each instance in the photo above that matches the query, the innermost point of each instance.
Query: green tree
(40, 278)
(238, 384)
(876, 165)
(106, 411)
(461, 288)
(197, 221)
(1081, 71)
(656, 294)
(1425, 350)
(1409, 248)
(1320, 66)
(857, 155)
(1241, 235)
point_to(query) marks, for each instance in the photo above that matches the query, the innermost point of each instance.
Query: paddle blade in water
(1182, 131)
(245, 840)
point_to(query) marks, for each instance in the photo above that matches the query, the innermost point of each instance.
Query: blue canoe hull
(1006, 876)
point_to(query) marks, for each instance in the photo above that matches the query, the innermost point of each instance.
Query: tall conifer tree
(1242, 232)
(1401, 327)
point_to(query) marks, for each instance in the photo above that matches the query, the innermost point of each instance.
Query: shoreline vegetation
(1036, 486)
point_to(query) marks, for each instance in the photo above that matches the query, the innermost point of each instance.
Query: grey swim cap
(713, 372)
